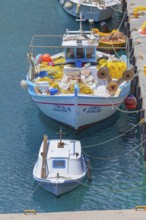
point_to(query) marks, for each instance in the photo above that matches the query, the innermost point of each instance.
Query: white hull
(78, 111)
(90, 12)
(61, 188)
(83, 94)
(60, 166)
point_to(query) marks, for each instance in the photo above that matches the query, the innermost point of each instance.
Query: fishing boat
(113, 40)
(97, 10)
(60, 166)
(80, 85)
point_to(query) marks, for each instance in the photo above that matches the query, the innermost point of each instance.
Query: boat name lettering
(59, 108)
(94, 109)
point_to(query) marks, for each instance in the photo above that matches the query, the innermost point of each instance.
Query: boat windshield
(58, 164)
(80, 52)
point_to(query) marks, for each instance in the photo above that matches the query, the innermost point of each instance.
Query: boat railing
(40, 37)
(77, 32)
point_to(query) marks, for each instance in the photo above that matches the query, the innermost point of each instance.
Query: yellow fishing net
(55, 71)
(116, 67)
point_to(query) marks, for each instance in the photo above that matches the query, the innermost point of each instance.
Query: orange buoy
(130, 102)
(46, 57)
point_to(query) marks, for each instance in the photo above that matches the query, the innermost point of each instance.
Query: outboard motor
(104, 27)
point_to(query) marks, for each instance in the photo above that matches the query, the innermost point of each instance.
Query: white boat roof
(78, 39)
(70, 149)
(96, 3)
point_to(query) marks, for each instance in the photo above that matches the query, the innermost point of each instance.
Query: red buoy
(46, 57)
(130, 102)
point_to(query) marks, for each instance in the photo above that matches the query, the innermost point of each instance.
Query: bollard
(141, 116)
(129, 48)
(144, 144)
(126, 18)
(130, 42)
(128, 33)
(133, 87)
(139, 103)
(133, 60)
(124, 6)
(128, 26)
(138, 92)
(136, 80)
(135, 69)
(144, 129)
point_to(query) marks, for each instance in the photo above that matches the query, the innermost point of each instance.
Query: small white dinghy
(60, 166)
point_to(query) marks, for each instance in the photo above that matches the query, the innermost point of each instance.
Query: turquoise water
(119, 173)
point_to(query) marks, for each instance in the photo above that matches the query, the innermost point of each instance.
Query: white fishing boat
(60, 166)
(97, 10)
(81, 85)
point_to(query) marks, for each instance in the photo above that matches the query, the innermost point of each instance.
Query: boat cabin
(79, 48)
(62, 161)
(66, 159)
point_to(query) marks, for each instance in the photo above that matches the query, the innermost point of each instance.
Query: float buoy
(23, 84)
(130, 102)
(103, 73)
(68, 5)
(46, 57)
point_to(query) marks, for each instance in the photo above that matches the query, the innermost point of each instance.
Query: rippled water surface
(119, 173)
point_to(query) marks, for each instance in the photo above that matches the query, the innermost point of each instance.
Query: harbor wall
(135, 16)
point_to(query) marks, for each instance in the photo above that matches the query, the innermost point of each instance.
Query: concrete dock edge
(82, 215)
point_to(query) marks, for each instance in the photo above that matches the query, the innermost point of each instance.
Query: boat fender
(105, 28)
(130, 102)
(78, 7)
(68, 5)
(23, 84)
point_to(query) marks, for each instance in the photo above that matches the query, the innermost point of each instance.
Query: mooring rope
(122, 20)
(111, 191)
(122, 12)
(112, 139)
(116, 157)
(33, 191)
